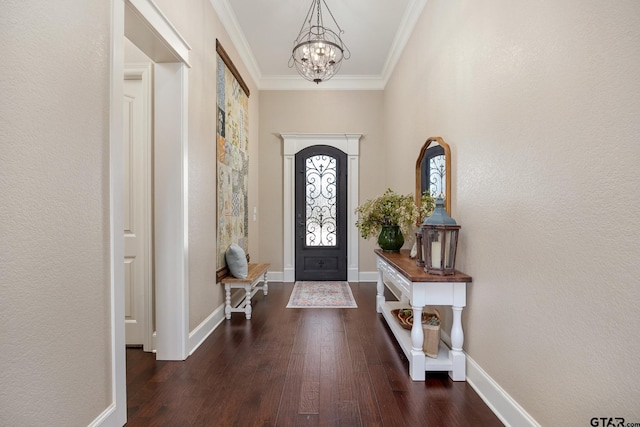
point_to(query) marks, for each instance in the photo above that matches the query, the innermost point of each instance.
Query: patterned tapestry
(232, 138)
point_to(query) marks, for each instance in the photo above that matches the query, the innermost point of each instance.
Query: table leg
(265, 286)
(417, 360)
(380, 297)
(458, 372)
(227, 306)
(247, 305)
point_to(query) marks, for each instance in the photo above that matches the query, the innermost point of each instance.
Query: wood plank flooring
(297, 367)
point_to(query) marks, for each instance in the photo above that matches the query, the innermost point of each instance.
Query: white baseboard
(106, 418)
(275, 276)
(204, 329)
(498, 400)
(368, 276)
(208, 325)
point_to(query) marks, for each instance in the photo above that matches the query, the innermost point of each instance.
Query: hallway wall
(55, 306)
(54, 215)
(198, 23)
(540, 103)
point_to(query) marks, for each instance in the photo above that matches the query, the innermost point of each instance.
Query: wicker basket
(404, 316)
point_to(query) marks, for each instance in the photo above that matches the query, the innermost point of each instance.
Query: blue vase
(390, 238)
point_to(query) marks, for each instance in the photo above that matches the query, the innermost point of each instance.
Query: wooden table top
(414, 273)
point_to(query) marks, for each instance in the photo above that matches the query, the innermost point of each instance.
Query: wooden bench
(251, 285)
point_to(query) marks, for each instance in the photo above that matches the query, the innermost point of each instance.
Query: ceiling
(375, 31)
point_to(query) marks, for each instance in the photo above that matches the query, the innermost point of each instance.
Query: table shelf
(419, 289)
(403, 337)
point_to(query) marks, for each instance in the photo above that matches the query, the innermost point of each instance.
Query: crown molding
(339, 82)
(408, 23)
(231, 25)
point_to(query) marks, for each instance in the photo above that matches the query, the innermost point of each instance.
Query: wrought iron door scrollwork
(320, 192)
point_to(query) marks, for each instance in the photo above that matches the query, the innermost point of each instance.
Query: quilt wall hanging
(232, 156)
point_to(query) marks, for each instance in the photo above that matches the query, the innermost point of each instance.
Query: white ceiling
(375, 31)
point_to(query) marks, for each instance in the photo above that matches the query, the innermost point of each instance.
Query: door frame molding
(116, 412)
(149, 29)
(152, 24)
(292, 144)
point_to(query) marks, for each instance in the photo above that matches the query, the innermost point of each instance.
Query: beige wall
(54, 214)
(316, 112)
(55, 257)
(540, 102)
(198, 23)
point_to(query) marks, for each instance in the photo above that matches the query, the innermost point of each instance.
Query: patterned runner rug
(321, 295)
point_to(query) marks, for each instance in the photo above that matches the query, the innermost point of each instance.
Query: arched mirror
(433, 171)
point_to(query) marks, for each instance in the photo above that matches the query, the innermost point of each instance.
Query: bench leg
(227, 306)
(265, 286)
(247, 304)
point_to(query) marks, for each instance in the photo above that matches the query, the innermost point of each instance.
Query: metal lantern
(440, 241)
(419, 258)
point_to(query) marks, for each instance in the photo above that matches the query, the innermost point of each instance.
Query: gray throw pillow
(237, 261)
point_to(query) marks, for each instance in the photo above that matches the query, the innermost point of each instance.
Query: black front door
(321, 214)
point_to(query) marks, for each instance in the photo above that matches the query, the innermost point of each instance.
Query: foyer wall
(316, 112)
(54, 216)
(540, 104)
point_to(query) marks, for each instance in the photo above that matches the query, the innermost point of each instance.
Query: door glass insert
(437, 176)
(321, 193)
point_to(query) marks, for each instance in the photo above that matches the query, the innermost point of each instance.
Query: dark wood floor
(297, 367)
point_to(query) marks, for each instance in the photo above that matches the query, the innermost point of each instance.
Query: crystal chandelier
(318, 51)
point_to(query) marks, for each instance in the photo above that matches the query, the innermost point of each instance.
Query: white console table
(420, 289)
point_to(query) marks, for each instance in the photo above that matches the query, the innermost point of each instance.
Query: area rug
(321, 295)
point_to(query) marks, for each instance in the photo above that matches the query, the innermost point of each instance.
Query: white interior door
(137, 206)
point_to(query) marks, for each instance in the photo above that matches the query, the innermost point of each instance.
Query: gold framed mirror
(433, 171)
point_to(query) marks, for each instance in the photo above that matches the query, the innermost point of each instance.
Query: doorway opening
(148, 29)
(138, 218)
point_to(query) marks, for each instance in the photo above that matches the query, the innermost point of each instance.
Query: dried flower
(392, 209)
(432, 320)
